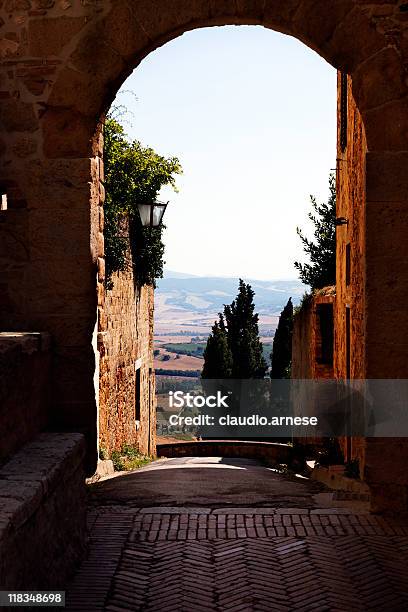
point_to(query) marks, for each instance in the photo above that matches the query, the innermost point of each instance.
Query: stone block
(106, 66)
(279, 16)
(79, 91)
(162, 23)
(18, 116)
(386, 127)
(354, 40)
(67, 133)
(74, 371)
(13, 248)
(48, 36)
(50, 519)
(101, 245)
(250, 11)
(316, 32)
(101, 269)
(59, 233)
(383, 288)
(387, 178)
(57, 184)
(72, 292)
(386, 228)
(24, 147)
(121, 30)
(386, 360)
(379, 79)
(17, 5)
(23, 406)
(67, 330)
(175, 510)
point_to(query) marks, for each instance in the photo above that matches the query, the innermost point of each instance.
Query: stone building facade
(313, 337)
(360, 289)
(61, 65)
(127, 405)
(62, 62)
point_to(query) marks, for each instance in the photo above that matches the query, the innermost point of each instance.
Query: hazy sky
(251, 114)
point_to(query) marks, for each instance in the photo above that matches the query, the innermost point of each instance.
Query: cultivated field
(183, 362)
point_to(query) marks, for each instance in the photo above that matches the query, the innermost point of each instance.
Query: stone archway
(63, 63)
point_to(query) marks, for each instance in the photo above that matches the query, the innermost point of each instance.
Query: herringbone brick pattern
(242, 560)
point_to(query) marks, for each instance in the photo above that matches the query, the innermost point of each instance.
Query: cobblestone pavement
(187, 559)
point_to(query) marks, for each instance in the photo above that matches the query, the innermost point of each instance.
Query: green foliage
(192, 349)
(233, 348)
(129, 458)
(266, 352)
(186, 437)
(103, 454)
(281, 355)
(321, 271)
(306, 299)
(133, 174)
(217, 353)
(183, 373)
(243, 335)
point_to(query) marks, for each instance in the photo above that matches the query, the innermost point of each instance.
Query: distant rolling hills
(186, 303)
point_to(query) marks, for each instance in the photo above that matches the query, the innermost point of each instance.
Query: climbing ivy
(133, 174)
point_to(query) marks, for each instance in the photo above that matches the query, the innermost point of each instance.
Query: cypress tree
(243, 335)
(234, 346)
(281, 355)
(321, 271)
(217, 354)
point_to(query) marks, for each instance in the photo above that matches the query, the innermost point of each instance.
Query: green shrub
(129, 458)
(133, 174)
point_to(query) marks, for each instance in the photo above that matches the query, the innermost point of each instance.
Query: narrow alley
(201, 534)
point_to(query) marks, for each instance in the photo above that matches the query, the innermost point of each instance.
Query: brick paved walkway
(186, 559)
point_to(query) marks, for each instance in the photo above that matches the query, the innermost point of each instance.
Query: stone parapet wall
(42, 513)
(25, 360)
(269, 452)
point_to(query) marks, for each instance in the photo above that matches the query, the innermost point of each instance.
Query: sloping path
(227, 535)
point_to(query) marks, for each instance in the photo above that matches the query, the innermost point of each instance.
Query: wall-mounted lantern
(151, 215)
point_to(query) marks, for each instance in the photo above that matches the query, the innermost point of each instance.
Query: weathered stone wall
(306, 338)
(49, 247)
(125, 343)
(42, 513)
(376, 222)
(304, 356)
(25, 361)
(62, 62)
(270, 453)
(351, 204)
